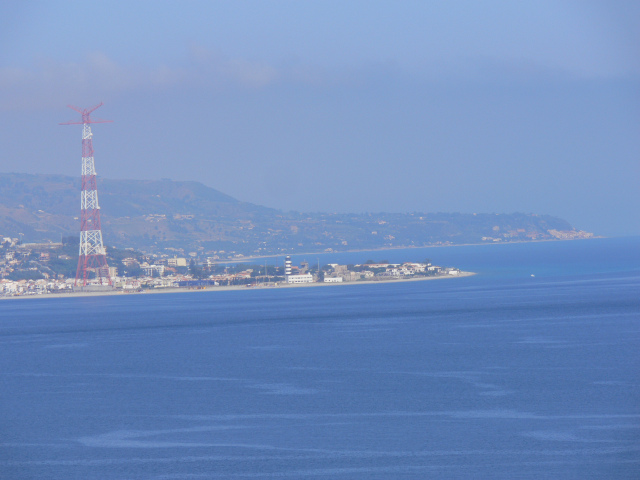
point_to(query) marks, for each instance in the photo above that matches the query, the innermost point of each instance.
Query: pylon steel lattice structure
(92, 252)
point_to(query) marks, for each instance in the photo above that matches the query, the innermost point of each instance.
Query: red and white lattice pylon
(92, 252)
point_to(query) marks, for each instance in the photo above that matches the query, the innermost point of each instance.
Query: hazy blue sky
(483, 106)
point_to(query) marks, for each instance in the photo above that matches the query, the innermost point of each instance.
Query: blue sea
(501, 375)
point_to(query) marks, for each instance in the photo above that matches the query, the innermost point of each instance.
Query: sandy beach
(260, 286)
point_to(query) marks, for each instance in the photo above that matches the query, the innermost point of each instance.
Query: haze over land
(176, 217)
(472, 107)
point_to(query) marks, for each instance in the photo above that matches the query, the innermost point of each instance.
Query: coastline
(277, 286)
(399, 247)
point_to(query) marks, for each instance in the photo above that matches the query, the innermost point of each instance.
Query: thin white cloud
(51, 83)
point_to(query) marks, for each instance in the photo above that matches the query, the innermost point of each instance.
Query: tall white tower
(287, 266)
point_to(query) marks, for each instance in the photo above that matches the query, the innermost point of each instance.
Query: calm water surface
(500, 375)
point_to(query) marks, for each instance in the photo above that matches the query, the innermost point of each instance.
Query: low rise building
(332, 279)
(303, 278)
(149, 269)
(177, 262)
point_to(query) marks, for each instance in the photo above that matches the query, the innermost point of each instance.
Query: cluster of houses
(14, 288)
(13, 254)
(163, 275)
(368, 272)
(384, 271)
(34, 287)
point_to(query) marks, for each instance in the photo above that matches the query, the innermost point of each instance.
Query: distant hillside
(153, 215)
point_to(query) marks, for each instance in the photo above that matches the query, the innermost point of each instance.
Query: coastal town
(34, 269)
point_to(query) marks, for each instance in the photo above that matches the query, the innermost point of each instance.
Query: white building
(305, 278)
(177, 262)
(149, 269)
